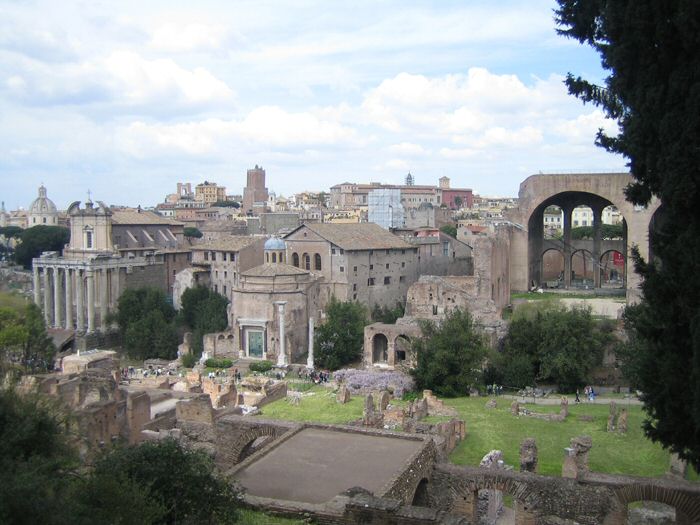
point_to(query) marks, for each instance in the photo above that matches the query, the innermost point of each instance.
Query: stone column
(104, 296)
(48, 304)
(90, 301)
(282, 357)
(567, 245)
(57, 298)
(69, 298)
(37, 285)
(310, 358)
(79, 300)
(597, 222)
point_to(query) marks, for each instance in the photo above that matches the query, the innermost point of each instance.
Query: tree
(449, 356)
(146, 323)
(227, 204)
(192, 233)
(203, 311)
(338, 341)
(386, 315)
(458, 201)
(607, 232)
(180, 481)
(551, 343)
(650, 51)
(24, 341)
(36, 461)
(449, 229)
(38, 239)
(11, 232)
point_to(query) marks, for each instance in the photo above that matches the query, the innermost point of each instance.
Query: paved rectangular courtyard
(315, 465)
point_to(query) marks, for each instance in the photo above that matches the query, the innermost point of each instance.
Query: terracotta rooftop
(358, 236)
(230, 244)
(126, 217)
(272, 270)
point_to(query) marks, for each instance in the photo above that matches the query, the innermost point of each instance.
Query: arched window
(267, 257)
(307, 262)
(274, 257)
(317, 262)
(295, 259)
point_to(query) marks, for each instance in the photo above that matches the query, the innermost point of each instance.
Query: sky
(127, 98)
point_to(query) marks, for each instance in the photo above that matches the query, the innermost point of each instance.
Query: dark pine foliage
(650, 49)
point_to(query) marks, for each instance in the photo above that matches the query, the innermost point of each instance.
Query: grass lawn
(12, 300)
(613, 453)
(252, 517)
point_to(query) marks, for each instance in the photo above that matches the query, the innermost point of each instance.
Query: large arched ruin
(597, 191)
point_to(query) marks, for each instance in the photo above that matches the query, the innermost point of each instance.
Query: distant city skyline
(129, 99)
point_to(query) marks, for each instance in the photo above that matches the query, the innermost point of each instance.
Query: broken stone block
(622, 421)
(343, 395)
(384, 400)
(677, 467)
(515, 408)
(528, 455)
(564, 407)
(491, 404)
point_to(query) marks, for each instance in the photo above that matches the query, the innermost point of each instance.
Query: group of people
(588, 392)
(494, 389)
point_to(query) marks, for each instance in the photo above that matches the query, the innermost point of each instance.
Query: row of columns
(282, 355)
(597, 221)
(64, 288)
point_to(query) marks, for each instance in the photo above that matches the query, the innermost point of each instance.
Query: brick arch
(687, 505)
(250, 435)
(521, 491)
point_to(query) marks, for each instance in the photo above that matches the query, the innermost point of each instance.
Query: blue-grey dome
(275, 243)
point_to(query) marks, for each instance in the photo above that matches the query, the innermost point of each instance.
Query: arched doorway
(380, 349)
(582, 269)
(420, 496)
(612, 269)
(402, 348)
(553, 268)
(580, 226)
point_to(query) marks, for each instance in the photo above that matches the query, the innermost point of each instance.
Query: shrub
(261, 366)
(189, 360)
(213, 362)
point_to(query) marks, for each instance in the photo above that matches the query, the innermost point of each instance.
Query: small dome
(275, 243)
(42, 204)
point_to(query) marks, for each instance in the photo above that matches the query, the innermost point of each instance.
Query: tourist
(578, 399)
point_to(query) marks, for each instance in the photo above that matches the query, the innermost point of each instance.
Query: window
(332, 251)
(307, 262)
(342, 251)
(403, 252)
(370, 281)
(224, 256)
(387, 280)
(274, 257)
(354, 296)
(403, 264)
(216, 274)
(295, 259)
(174, 272)
(402, 279)
(88, 239)
(224, 290)
(206, 256)
(387, 252)
(44, 220)
(216, 288)
(225, 274)
(445, 249)
(434, 309)
(213, 256)
(387, 266)
(371, 267)
(317, 261)
(354, 287)
(232, 258)
(342, 269)
(371, 252)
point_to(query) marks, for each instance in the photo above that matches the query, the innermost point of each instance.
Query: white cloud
(143, 81)
(268, 125)
(182, 37)
(408, 149)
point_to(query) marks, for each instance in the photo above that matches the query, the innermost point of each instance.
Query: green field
(251, 517)
(613, 453)
(12, 300)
